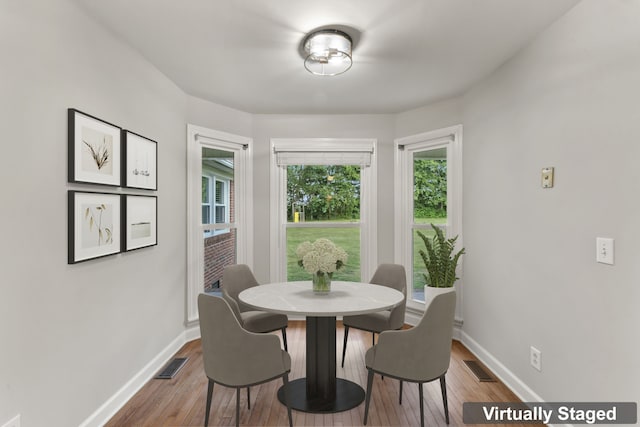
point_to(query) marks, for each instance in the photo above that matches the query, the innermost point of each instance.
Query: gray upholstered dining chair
(235, 357)
(237, 278)
(393, 276)
(420, 354)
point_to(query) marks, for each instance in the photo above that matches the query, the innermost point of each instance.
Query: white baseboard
(13, 422)
(192, 333)
(507, 377)
(413, 316)
(122, 396)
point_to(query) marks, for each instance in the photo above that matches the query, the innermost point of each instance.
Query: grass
(349, 240)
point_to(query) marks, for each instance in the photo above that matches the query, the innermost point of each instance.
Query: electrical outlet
(535, 358)
(14, 422)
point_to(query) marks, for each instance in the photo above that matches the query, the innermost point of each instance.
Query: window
(222, 202)
(324, 201)
(323, 188)
(206, 200)
(215, 203)
(428, 191)
(219, 209)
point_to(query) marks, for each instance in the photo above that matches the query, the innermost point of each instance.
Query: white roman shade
(318, 152)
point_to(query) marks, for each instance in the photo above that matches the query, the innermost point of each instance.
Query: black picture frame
(94, 225)
(139, 221)
(140, 161)
(94, 150)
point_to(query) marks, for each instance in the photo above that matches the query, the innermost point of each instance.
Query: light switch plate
(604, 250)
(547, 178)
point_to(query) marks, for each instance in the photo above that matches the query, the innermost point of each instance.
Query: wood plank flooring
(181, 401)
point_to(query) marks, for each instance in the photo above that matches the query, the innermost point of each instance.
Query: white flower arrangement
(321, 256)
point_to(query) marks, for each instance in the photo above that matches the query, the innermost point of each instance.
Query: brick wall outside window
(220, 250)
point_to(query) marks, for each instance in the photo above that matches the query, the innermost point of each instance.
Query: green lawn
(349, 240)
(430, 220)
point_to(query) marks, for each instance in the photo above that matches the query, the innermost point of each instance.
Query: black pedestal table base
(348, 396)
(321, 391)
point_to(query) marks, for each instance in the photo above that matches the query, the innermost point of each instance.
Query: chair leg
(421, 405)
(373, 342)
(287, 399)
(248, 398)
(443, 387)
(400, 401)
(238, 407)
(368, 396)
(344, 344)
(209, 395)
(284, 339)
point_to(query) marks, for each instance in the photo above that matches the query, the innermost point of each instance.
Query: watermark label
(550, 413)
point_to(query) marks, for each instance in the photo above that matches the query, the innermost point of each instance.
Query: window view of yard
(323, 193)
(429, 206)
(323, 196)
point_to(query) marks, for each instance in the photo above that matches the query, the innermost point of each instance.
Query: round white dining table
(320, 391)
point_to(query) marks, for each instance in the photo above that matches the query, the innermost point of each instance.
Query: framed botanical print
(94, 150)
(140, 161)
(140, 219)
(94, 225)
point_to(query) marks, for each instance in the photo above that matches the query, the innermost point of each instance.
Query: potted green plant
(440, 262)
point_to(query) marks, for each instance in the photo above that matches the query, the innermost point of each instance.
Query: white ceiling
(245, 53)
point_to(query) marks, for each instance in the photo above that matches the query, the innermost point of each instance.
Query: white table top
(345, 298)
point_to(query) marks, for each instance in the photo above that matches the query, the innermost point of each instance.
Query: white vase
(430, 293)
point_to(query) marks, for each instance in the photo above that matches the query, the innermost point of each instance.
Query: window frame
(213, 204)
(368, 200)
(197, 138)
(451, 139)
(208, 193)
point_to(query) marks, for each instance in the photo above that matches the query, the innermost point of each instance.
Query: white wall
(434, 116)
(569, 100)
(72, 335)
(266, 127)
(218, 117)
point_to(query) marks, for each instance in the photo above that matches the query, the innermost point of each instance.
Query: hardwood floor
(181, 401)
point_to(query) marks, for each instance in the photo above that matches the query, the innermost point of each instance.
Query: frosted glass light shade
(328, 52)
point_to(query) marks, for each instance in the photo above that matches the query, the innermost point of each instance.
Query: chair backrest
(422, 353)
(393, 276)
(433, 335)
(231, 355)
(235, 279)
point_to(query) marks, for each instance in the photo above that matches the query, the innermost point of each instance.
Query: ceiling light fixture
(328, 52)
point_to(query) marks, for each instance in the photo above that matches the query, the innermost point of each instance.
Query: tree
(325, 192)
(430, 188)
